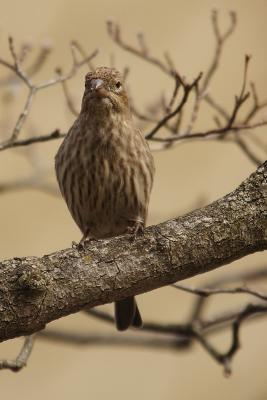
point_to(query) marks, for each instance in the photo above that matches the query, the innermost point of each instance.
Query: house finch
(105, 170)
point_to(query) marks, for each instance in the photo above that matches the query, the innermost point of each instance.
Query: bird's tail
(127, 314)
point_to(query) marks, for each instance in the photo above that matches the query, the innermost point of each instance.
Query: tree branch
(35, 291)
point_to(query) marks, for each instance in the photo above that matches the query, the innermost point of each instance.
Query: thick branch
(35, 291)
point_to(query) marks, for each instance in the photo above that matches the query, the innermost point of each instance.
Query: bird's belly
(107, 203)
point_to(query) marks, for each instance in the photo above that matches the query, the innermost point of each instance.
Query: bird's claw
(82, 243)
(136, 229)
(74, 245)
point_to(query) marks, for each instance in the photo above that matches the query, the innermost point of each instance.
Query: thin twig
(220, 41)
(76, 45)
(174, 94)
(246, 149)
(206, 292)
(166, 118)
(100, 339)
(56, 134)
(17, 69)
(205, 134)
(67, 95)
(114, 32)
(75, 67)
(196, 330)
(226, 357)
(257, 105)
(179, 138)
(244, 276)
(242, 97)
(203, 87)
(218, 107)
(23, 116)
(21, 360)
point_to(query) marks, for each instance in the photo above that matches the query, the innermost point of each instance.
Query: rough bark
(35, 291)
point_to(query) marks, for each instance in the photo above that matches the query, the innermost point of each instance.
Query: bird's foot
(82, 243)
(136, 228)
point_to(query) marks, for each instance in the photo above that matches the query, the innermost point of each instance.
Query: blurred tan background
(36, 223)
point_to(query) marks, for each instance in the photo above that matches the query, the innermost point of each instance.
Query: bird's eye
(118, 85)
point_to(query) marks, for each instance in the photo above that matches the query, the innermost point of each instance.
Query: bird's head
(104, 89)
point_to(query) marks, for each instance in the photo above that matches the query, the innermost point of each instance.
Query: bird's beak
(96, 84)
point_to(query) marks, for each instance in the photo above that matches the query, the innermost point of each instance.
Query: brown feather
(104, 166)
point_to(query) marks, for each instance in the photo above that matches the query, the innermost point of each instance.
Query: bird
(105, 170)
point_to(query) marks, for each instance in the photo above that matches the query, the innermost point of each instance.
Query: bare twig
(243, 277)
(261, 144)
(72, 72)
(205, 134)
(220, 41)
(100, 339)
(14, 67)
(226, 357)
(198, 328)
(208, 292)
(166, 118)
(179, 138)
(257, 105)
(34, 68)
(67, 95)
(246, 149)
(194, 113)
(22, 117)
(40, 59)
(76, 45)
(142, 43)
(21, 360)
(218, 107)
(114, 32)
(56, 134)
(200, 88)
(174, 94)
(186, 333)
(242, 97)
(17, 69)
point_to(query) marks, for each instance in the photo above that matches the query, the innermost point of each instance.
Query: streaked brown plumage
(105, 169)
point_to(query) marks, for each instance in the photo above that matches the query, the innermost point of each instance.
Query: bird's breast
(107, 179)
